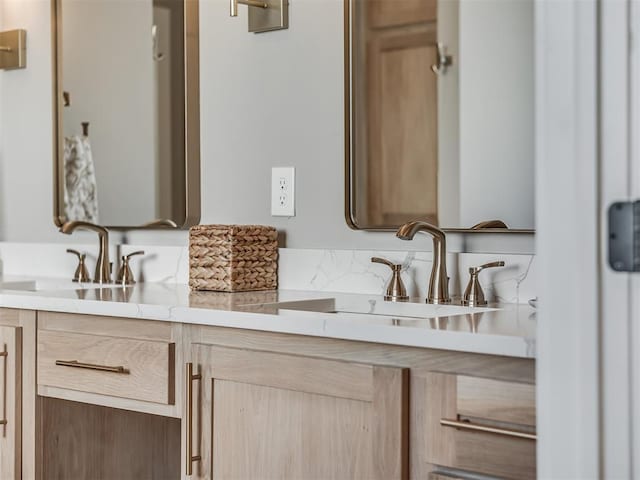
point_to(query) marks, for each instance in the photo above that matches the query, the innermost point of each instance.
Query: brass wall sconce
(13, 49)
(264, 16)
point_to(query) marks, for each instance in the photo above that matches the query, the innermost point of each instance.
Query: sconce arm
(250, 3)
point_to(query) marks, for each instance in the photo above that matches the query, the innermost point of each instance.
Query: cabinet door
(10, 402)
(261, 415)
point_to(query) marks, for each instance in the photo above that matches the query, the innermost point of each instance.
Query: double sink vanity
(156, 381)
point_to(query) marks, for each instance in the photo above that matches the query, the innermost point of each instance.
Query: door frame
(567, 239)
(586, 158)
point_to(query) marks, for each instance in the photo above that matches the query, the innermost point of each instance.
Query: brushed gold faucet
(396, 291)
(103, 267)
(474, 295)
(439, 282)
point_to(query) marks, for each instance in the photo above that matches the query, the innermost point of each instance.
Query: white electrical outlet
(283, 192)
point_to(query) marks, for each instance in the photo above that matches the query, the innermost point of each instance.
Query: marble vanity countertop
(507, 329)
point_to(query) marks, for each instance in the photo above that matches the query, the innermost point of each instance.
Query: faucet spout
(439, 282)
(103, 267)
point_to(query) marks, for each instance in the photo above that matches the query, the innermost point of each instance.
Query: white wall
(267, 100)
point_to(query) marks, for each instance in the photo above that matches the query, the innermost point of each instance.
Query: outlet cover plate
(283, 192)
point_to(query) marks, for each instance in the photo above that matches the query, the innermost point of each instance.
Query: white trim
(567, 239)
(616, 331)
(634, 175)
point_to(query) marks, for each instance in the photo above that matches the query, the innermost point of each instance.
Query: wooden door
(274, 416)
(10, 402)
(402, 110)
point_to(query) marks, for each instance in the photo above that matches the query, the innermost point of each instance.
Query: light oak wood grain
(23, 325)
(86, 442)
(11, 402)
(110, 326)
(478, 452)
(336, 379)
(103, 400)
(496, 400)
(421, 361)
(272, 429)
(150, 365)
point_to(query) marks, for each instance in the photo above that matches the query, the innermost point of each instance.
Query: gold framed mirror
(436, 128)
(126, 113)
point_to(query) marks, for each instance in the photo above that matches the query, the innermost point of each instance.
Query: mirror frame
(349, 147)
(192, 121)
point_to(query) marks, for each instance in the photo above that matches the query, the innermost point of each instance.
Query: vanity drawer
(135, 369)
(481, 425)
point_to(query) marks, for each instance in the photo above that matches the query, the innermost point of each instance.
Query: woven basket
(233, 258)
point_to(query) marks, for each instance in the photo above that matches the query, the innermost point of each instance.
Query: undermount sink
(377, 306)
(42, 285)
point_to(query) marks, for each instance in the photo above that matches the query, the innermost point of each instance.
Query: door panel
(303, 420)
(399, 108)
(11, 402)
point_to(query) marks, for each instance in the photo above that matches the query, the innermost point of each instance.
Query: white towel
(81, 191)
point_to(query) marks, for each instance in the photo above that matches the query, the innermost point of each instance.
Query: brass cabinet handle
(487, 429)
(190, 377)
(4, 355)
(91, 366)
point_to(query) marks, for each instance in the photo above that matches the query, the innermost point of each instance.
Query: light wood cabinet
(256, 405)
(481, 425)
(269, 415)
(17, 394)
(113, 362)
(121, 367)
(11, 398)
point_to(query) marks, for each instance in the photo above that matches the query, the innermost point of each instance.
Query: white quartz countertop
(507, 330)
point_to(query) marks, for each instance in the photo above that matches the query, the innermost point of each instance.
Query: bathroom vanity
(153, 381)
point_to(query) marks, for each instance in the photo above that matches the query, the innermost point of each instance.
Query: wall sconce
(264, 16)
(13, 49)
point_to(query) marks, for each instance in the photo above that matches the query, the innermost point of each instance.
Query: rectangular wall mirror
(126, 103)
(439, 113)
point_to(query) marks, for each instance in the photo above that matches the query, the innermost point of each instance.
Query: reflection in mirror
(123, 157)
(440, 113)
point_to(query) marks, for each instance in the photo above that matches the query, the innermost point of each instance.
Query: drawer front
(121, 367)
(481, 426)
(496, 400)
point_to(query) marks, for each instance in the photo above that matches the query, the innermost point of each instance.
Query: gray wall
(496, 112)
(108, 69)
(267, 100)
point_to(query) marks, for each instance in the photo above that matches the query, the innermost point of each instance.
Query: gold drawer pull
(4, 354)
(190, 377)
(487, 429)
(91, 366)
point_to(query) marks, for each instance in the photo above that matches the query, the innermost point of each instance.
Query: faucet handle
(125, 275)
(476, 270)
(386, 262)
(81, 274)
(396, 291)
(473, 295)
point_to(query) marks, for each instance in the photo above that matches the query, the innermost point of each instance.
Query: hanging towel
(81, 191)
